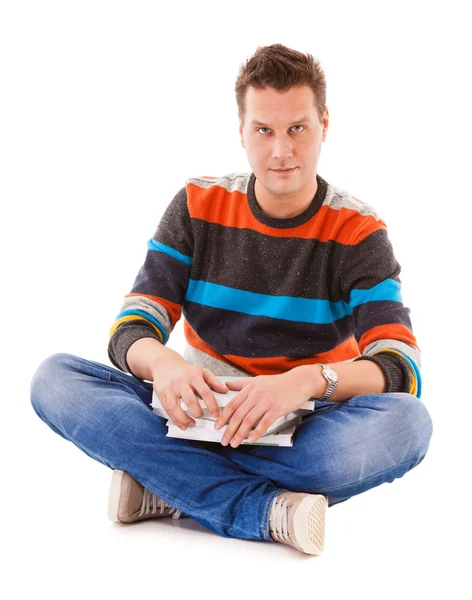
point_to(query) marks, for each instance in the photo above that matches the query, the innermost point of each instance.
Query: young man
(285, 279)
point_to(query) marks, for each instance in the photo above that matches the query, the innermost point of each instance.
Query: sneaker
(298, 519)
(129, 501)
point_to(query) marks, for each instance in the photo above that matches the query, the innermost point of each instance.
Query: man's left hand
(262, 400)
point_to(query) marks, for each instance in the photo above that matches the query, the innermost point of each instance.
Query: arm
(355, 379)
(154, 305)
(371, 289)
(145, 354)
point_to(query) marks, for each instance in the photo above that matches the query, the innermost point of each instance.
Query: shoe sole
(114, 495)
(310, 523)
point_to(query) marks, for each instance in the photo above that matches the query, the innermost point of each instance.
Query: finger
(237, 385)
(230, 409)
(261, 428)
(247, 425)
(214, 382)
(179, 416)
(191, 401)
(202, 389)
(237, 418)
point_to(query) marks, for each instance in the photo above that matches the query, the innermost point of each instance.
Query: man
(282, 278)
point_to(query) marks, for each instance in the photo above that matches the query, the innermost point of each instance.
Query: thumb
(237, 385)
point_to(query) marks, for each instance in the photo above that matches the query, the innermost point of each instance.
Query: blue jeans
(340, 450)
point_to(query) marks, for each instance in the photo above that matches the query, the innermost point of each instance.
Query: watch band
(332, 378)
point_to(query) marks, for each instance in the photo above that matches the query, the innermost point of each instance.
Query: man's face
(282, 130)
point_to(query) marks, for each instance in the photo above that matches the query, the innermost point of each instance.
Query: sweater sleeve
(154, 304)
(382, 325)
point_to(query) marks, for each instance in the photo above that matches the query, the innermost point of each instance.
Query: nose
(282, 149)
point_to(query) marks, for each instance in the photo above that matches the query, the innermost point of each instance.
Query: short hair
(281, 68)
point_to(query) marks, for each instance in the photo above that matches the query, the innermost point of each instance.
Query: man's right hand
(184, 381)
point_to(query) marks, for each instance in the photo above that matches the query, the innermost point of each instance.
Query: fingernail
(224, 441)
(216, 414)
(217, 425)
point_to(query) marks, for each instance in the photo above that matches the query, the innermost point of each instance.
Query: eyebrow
(304, 118)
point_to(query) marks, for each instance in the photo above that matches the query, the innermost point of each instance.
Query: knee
(47, 378)
(412, 422)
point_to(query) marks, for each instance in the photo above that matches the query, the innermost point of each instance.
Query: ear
(241, 134)
(325, 123)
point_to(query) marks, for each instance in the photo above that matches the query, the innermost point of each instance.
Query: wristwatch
(332, 378)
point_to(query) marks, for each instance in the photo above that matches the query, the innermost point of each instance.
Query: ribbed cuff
(396, 372)
(125, 335)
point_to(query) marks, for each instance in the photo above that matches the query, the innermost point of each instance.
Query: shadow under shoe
(129, 501)
(298, 519)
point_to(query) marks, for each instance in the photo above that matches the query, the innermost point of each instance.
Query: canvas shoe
(298, 519)
(129, 501)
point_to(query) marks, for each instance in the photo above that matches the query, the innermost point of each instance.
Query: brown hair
(280, 68)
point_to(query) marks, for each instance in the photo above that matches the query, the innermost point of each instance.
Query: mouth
(284, 171)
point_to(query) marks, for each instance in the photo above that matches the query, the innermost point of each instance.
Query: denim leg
(345, 448)
(107, 414)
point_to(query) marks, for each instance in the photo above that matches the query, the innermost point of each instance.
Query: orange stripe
(174, 309)
(391, 331)
(231, 209)
(276, 364)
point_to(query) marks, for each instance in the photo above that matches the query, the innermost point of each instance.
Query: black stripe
(175, 228)
(231, 332)
(162, 275)
(279, 266)
(373, 314)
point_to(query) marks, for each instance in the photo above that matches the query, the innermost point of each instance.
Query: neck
(284, 206)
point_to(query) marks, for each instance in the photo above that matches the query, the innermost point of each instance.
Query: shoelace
(278, 519)
(157, 503)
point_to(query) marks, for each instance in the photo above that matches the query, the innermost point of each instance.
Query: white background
(105, 109)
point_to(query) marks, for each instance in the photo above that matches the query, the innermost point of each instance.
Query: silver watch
(332, 378)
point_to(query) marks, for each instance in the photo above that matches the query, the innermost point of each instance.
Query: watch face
(331, 373)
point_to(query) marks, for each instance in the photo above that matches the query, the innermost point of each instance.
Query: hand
(182, 382)
(263, 399)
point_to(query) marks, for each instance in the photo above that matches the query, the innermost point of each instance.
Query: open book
(279, 433)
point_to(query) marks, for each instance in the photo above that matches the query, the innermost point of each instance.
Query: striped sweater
(261, 295)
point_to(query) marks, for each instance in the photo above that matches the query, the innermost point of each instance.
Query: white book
(223, 399)
(203, 433)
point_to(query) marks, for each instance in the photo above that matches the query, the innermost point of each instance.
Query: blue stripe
(389, 289)
(277, 307)
(153, 245)
(305, 310)
(415, 368)
(148, 317)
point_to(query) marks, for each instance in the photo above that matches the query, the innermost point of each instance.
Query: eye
(260, 128)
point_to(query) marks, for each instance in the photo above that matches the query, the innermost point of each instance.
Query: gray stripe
(217, 367)
(233, 182)
(151, 307)
(337, 198)
(387, 344)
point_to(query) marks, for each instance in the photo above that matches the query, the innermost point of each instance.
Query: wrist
(315, 382)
